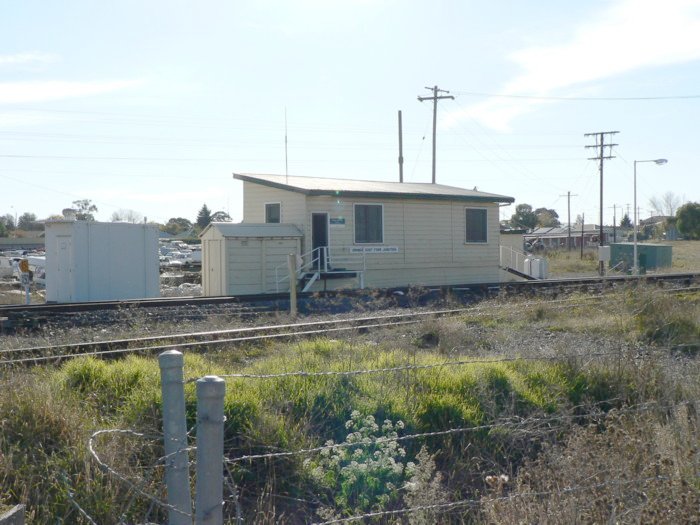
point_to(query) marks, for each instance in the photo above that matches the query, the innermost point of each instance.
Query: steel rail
(39, 359)
(190, 339)
(231, 331)
(247, 301)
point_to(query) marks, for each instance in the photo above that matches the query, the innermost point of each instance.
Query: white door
(214, 267)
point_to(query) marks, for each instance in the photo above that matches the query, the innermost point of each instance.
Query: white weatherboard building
(100, 261)
(354, 233)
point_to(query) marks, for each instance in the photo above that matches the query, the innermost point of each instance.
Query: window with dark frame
(272, 212)
(475, 225)
(369, 226)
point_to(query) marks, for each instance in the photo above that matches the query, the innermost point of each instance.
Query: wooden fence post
(292, 266)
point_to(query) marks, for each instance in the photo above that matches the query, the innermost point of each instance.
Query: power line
(574, 99)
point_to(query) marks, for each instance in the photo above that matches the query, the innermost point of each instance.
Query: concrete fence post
(14, 516)
(177, 477)
(210, 451)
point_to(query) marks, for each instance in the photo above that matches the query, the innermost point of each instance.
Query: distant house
(663, 226)
(556, 237)
(377, 234)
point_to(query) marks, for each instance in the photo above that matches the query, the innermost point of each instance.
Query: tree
(688, 220)
(8, 220)
(220, 216)
(123, 215)
(625, 222)
(27, 221)
(203, 217)
(547, 218)
(85, 210)
(177, 225)
(3, 229)
(523, 217)
(666, 205)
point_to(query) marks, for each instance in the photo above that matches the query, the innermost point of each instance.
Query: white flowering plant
(366, 471)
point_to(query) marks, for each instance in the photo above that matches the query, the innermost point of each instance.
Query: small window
(272, 212)
(476, 225)
(369, 224)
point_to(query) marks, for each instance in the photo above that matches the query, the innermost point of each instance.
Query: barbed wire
(507, 423)
(106, 468)
(71, 499)
(401, 368)
(473, 502)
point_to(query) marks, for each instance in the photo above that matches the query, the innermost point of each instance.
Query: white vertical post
(177, 476)
(210, 451)
(292, 267)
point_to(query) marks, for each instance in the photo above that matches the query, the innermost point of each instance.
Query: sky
(150, 106)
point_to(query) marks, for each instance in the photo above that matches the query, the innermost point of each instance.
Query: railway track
(280, 300)
(207, 339)
(203, 340)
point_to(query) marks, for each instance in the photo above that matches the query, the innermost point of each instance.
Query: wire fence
(227, 495)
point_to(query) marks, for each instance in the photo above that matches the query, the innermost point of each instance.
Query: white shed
(100, 261)
(239, 259)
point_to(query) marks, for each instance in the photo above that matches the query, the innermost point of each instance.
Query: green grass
(48, 414)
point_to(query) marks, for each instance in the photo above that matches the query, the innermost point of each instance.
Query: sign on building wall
(337, 221)
(374, 249)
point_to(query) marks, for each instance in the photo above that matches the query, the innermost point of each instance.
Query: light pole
(635, 267)
(15, 210)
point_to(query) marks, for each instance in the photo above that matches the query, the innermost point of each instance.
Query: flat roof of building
(368, 188)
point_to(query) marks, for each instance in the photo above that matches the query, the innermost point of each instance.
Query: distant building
(662, 226)
(556, 237)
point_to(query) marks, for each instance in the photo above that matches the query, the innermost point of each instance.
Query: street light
(659, 162)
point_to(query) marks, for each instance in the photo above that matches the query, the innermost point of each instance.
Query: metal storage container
(650, 256)
(100, 261)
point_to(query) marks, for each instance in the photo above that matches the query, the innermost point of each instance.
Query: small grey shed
(246, 258)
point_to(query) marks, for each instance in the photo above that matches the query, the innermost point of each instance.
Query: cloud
(27, 58)
(628, 36)
(42, 91)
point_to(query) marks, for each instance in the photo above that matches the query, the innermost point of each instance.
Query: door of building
(319, 238)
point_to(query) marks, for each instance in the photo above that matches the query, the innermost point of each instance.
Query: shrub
(366, 473)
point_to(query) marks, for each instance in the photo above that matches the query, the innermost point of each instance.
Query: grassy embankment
(586, 421)
(562, 263)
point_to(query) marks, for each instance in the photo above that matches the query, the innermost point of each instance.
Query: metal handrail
(511, 253)
(320, 260)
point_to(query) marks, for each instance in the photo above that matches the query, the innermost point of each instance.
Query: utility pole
(600, 143)
(435, 99)
(568, 218)
(583, 223)
(400, 149)
(614, 208)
